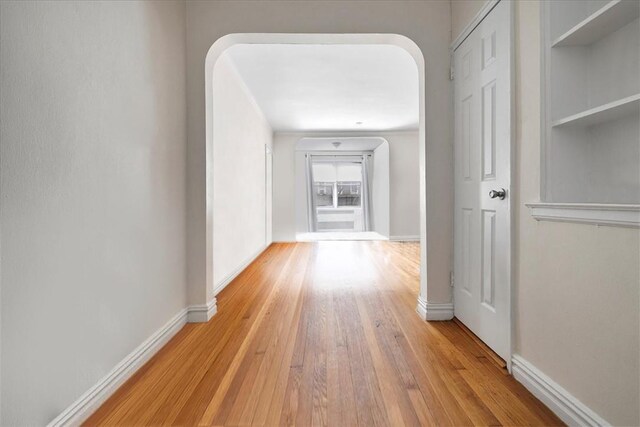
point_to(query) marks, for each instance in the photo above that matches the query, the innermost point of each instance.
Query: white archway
(222, 44)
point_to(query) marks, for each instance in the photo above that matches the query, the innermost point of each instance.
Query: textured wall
(92, 192)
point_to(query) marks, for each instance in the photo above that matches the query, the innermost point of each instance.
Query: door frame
(468, 29)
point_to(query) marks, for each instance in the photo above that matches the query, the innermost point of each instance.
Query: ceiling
(331, 87)
(346, 144)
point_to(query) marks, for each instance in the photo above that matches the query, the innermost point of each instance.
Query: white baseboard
(404, 238)
(224, 282)
(560, 401)
(202, 313)
(434, 311)
(87, 404)
(421, 308)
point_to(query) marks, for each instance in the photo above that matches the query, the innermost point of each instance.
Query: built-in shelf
(611, 17)
(603, 113)
(619, 215)
(590, 112)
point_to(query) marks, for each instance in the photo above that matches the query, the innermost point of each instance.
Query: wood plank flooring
(323, 334)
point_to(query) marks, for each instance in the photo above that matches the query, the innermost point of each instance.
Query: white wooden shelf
(611, 17)
(603, 113)
(591, 109)
(619, 215)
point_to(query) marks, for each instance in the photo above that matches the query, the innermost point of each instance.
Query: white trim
(202, 313)
(86, 404)
(610, 17)
(82, 408)
(512, 184)
(560, 401)
(602, 113)
(434, 311)
(587, 213)
(404, 238)
(482, 13)
(224, 282)
(545, 87)
(421, 308)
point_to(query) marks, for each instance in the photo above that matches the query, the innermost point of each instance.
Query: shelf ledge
(603, 113)
(618, 215)
(612, 16)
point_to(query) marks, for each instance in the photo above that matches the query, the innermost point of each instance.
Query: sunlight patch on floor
(339, 235)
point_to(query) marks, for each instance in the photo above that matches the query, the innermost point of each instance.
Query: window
(323, 193)
(349, 193)
(338, 193)
(337, 184)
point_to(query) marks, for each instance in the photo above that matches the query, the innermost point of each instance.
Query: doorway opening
(349, 183)
(342, 189)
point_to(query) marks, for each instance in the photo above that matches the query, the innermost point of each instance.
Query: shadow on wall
(241, 210)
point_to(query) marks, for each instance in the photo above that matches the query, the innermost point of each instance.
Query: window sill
(616, 215)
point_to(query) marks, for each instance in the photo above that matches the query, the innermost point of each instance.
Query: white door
(482, 241)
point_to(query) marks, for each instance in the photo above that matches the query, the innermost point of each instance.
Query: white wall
(92, 186)
(426, 23)
(404, 186)
(239, 184)
(380, 189)
(404, 189)
(577, 299)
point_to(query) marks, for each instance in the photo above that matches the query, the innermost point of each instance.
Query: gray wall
(379, 183)
(92, 188)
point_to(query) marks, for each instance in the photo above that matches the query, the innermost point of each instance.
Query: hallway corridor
(323, 334)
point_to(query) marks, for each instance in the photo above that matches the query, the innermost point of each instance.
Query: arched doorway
(222, 44)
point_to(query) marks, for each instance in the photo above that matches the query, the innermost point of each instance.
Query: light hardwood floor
(323, 333)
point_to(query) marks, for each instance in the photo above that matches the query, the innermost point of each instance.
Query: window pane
(323, 193)
(349, 193)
